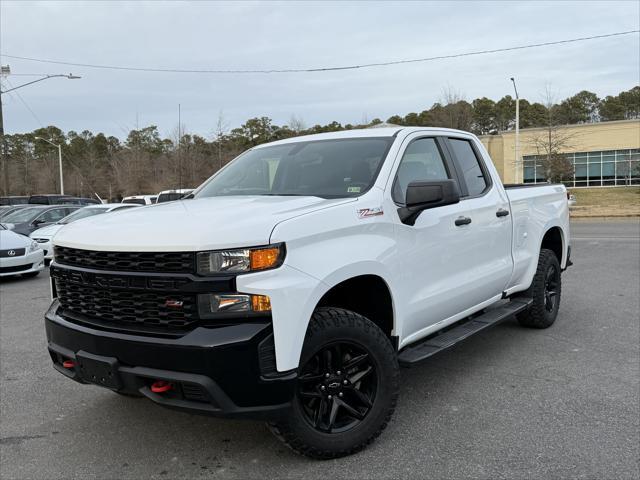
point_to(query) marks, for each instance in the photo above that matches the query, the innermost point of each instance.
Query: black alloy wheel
(552, 278)
(337, 387)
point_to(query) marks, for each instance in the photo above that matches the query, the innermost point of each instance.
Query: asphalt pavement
(507, 403)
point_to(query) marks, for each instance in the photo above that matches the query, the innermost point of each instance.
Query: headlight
(240, 260)
(34, 246)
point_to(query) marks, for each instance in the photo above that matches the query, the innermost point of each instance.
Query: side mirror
(38, 222)
(424, 195)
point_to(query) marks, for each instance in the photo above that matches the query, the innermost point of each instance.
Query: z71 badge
(370, 212)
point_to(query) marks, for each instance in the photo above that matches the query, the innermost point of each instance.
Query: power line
(24, 103)
(320, 69)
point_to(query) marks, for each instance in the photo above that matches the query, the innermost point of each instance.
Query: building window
(591, 169)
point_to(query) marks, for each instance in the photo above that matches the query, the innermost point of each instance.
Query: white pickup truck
(293, 283)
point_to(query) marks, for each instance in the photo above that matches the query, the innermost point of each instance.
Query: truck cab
(294, 283)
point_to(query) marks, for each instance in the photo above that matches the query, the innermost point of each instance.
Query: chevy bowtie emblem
(11, 253)
(173, 303)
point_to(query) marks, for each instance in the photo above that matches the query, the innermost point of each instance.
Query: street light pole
(59, 161)
(517, 149)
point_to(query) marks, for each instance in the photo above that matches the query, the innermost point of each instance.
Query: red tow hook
(68, 364)
(160, 386)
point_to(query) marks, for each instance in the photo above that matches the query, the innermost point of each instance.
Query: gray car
(26, 220)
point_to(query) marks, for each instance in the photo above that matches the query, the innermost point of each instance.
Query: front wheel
(545, 291)
(347, 387)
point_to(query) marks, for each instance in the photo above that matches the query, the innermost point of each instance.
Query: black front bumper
(223, 371)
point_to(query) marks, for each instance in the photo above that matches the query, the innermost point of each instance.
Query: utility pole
(517, 149)
(59, 161)
(179, 153)
(5, 70)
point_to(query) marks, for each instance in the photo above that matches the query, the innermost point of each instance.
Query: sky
(202, 35)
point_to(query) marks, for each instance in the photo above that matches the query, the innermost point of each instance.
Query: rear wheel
(545, 291)
(347, 387)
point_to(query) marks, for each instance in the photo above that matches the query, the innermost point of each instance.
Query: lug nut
(327, 375)
(322, 387)
(329, 397)
(341, 394)
(339, 372)
(345, 382)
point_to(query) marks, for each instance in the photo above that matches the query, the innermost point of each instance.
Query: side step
(423, 349)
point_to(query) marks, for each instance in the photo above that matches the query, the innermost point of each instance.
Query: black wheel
(347, 387)
(30, 274)
(545, 291)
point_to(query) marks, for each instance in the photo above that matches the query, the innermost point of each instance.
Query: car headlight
(240, 260)
(33, 246)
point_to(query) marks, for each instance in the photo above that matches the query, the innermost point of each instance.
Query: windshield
(82, 213)
(321, 168)
(23, 215)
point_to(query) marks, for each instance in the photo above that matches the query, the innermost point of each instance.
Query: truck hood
(190, 225)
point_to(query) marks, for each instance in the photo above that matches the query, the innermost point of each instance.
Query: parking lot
(507, 403)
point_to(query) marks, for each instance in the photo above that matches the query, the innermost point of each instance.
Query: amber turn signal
(264, 258)
(260, 303)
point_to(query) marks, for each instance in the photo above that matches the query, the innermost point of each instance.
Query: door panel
(491, 265)
(432, 254)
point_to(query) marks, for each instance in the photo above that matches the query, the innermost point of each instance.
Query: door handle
(502, 212)
(462, 221)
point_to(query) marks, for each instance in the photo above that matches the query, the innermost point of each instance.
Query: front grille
(127, 307)
(167, 262)
(16, 252)
(19, 268)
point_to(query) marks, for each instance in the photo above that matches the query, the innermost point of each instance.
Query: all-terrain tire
(545, 291)
(330, 326)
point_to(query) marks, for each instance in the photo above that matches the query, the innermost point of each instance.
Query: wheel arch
(368, 295)
(554, 240)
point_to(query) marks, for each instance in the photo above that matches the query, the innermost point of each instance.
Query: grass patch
(615, 202)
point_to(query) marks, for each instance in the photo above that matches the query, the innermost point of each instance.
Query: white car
(140, 199)
(44, 235)
(19, 255)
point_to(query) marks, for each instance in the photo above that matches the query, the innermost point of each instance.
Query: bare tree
(296, 124)
(219, 134)
(552, 141)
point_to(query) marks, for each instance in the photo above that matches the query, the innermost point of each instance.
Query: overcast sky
(293, 35)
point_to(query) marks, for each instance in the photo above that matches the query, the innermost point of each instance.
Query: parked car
(298, 279)
(6, 210)
(61, 200)
(19, 255)
(26, 220)
(171, 195)
(44, 235)
(140, 199)
(13, 200)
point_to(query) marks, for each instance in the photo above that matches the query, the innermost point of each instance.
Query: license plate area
(99, 370)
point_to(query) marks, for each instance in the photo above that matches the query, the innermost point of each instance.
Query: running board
(423, 349)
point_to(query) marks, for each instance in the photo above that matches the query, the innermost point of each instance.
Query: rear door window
(472, 172)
